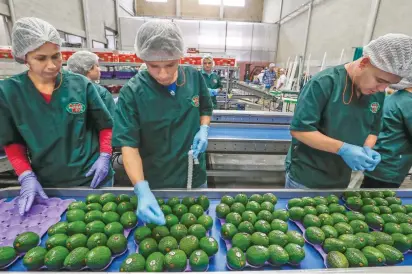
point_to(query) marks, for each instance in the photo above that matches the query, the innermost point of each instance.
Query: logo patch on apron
(215, 81)
(75, 108)
(195, 101)
(374, 107)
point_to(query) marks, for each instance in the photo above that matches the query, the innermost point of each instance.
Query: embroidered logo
(374, 107)
(75, 108)
(215, 81)
(195, 101)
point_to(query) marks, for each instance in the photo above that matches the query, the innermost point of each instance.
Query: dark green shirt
(212, 81)
(163, 126)
(62, 136)
(107, 98)
(321, 108)
(395, 140)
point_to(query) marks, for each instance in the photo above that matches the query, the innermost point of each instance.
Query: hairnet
(391, 53)
(272, 65)
(29, 34)
(143, 66)
(82, 62)
(159, 41)
(208, 57)
(405, 83)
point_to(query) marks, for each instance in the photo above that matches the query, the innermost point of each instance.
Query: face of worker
(94, 73)
(46, 61)
(164, 72)
(370, 79)
(207, 65)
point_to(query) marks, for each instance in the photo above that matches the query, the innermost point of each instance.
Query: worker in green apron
(87, 63)
(212, 79)
(338, 116)
(162, 118)
(54, 115)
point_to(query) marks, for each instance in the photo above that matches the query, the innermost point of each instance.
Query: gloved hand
(148, 209)
(374, 155)
(213, 92)
(200, 141)
(355, 157)
(100, 169)
(30, 188)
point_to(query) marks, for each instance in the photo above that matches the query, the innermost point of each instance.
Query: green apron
(212, 81)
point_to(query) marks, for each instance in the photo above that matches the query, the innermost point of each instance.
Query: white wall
(394, 17)
(271, 11)
(101, 15)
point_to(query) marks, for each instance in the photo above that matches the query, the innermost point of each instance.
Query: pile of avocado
(22, 244)
(258, 232)
(91, 236)
(183, 238)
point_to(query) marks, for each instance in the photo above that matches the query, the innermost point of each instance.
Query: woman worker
(87, 63)
(55, 115)
(212, 79)
(162, 114)
(394, 141)
(338, 116)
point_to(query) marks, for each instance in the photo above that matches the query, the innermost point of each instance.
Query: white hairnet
(143, 67)
(159, 41)
(272, 65)
(405, 83)
(82, 62)
(208, 57)
(29, 34)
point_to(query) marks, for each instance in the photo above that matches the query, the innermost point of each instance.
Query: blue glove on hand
(200, 141)
(374, 155)
(355, 157)
(30, 188)
(100, 169)
(213, 92)
(148, 209)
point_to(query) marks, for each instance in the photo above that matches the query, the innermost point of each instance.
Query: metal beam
(222, 10)
(278, 34)
(86, 24)
(12, 11)
(118, 40)
(370, 27)
(178, 8)
(305, 47)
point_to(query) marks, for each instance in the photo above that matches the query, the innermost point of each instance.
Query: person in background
(212, 80)
(87, 63)
(394, 141)
(269, 77)
(338, 115)
(163, 115)
(55, 115)
(260, 77)
(281, 80)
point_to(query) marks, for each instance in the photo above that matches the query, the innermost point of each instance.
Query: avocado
(56, 240)
(122, 198)
(259, 238)
(257, 255)
(365, 194)
(265, 215)
(402, 217)
(173, 201)
(370, 209)
(171, 220)
(280, 214)
(160, 201)
(332, 244)
(339, 218)
(134, 201)
(178, 232)
(381, 201)
(32, 260)
(166, 209)
(353, 241)
(354, 203)
(377, 194)
(203, 201)
(92, 216)
(113, 228)
(58, 228)
(236, 259)
(296, 253)
(310, 210)
(408, 208)
(168, 244)
(133, 263)
(124, 207)
(330, 231)
(382, 238)
(77, 205)
(265, 227)
(296, 213)
(406, 228)
(228, 230)
(389, 193)
(356, 258)
(295, 202)
(295, 237)
(311, 220)
(359, 226)
(75, 215)
(110, 217)
(7, 255)
(98, 258)
(97, 239)
(336, 259)
(54, 259)
(179, 210)
(314, 235)
(197, 230)
(160, 232)
(397, 208)
(385, 210)
(117, 243)
(77, 227)
(270, 197)
(107, 198)
(277, 237)
(189, 244)
(188, 219)
(277, 255)
(228, 200)
(267, 206)
(332, 199)
(391, 228)
(75, 261)
(336, 208)
(238, 208)
(392, 255)
(92, 198)
(352, 215)
(222, 210)
(326, 219)
(374, 256)
(308, 201)
(188, 201)
(199, 261)
(319, 200)
(374, 220)
(110, 206)
(370, 240)
(147, 247)
(176, 261)
(249, 216)
(94, 206)
(349, 194)
(95, 227)
(209, 245)
(26, 241)
(197, 210)
(128, 219)
(141, 233)
(389, 218)
(368, 201)
(206, 221)
(322, 209)
(401, 242)
(256, 198)
(75, 241)
(241, 198)
(253, 206)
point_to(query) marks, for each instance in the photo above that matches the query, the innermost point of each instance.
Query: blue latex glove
(148, 209)
(355, 157)
(30, 188)
(374, 155)
(213, 92)
(100, 169)
(200, 141)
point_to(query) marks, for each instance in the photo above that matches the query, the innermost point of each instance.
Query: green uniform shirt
(62, 136)
(395, 140)
(212, 81)
(320, 108)
(163, 126)
(107, 98)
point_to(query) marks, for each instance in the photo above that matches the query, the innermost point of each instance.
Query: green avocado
(128, 219)
(107, 198)
(95, 227)
(160, 232)
(296, 213)
(277, 255)
(295, 202)
(176, 261)
(311, 220)
(236, 259)
(110, 206)
(188, 201)
(382, 238)
(110, 217)
(58, 228)
(339, 218)
(124, 207)
(336, 259)
(353, 241)
(33, 259)
(77, 205)
(401, 242)
(326, 219)
(257, 255)
(168, 244)
(209, 245)
(93, 215)
(265, 227)
(391, 228)
(280, 214)
(296, 253)
(199, 261)
(352, 215)
(75, 261)
(359, 226)
(277, 237)
(117, 243)
(75, 215)
(206, 221)
(259, 238)
(122, 198)
(133, 263)
(113, 228)
(141, 233)
(147, 247)
(98, 258)
(236, 207)
(92, 198)
(198, 231)
(56, 240)
(374, 220)
(332, 244)
(203, 201)
(228, 230)
(234, 218)
(374, 256)
(314, 235)
(295, 237)
(94, 206)
(336, 208)
(222, 210)
(75, 241)
(253, 206)
(354, 203)
(311, 210)
(343, 228)
(356, 258)
(7, 255)
(368, 238)
(188, 219)
(54, 259)
(26, 241)
(97, 239)
(392, 255)
(241, 198)
(197, 210)
(179, 231)
(77, 227)
(330, 231)
(179, 210)
(265, 215)
(189, 244)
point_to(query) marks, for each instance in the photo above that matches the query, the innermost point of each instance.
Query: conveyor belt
(252, 117)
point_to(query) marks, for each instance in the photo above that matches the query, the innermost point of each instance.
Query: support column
(86, 24)
(305, 47)
(278, 32)
(10, 3)
(178, 8)
(370, 27)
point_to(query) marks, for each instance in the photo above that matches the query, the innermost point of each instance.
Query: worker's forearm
(205, 120)
(133, 164)
(317, 140)
(371, 141)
